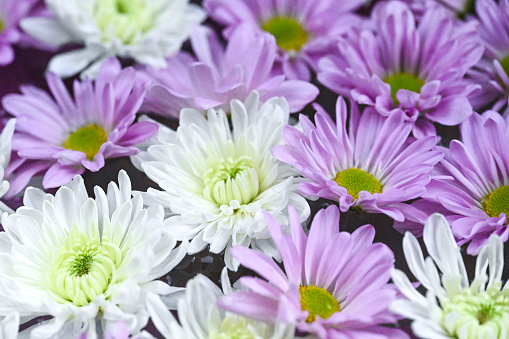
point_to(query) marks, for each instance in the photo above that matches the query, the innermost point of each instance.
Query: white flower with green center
(147, 31)
(453, 307)
(201, 318)
(216, 181)
(88, 263)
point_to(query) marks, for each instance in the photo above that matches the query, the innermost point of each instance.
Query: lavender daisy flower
(492, 72)
(371, 165)
(453, 307)
(221, 75)
(60, 137)
(304, 30)
(11, 12)
(419, 68)
(334, 283)
(472, 182)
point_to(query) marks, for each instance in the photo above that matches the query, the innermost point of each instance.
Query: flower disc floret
(125, 18)
(289, 33)
(84, 268)
(497, 202)
(87, 139)
(484, 315)
(356, 180)
(317, 301)
(406, 81)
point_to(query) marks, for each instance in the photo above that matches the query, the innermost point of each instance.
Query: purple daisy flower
(220, 75)
(419, 68)
(472, 182)
(492, 72)
(334, 283)
(61, 137)
(304, 29)
(371, 165)
(11, 12)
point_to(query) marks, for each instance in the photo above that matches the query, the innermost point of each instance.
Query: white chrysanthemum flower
(5, 157)
(88, 263)
(145, 30)
(201, 318)
(453, 307)
(217, 181)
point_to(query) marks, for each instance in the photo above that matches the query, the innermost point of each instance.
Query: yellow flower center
(356, 180)
(317, 301)
(289, 33)
(83, 269)
(87, 139)
(497, 202)
(403, 81)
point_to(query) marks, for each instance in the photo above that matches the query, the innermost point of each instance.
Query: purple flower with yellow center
(369, 165)
(472, 182)
(418, 67)
(219, 75)
(59, 136)
(304, 30)
(334, 284)
(492, 71)
(11, 12)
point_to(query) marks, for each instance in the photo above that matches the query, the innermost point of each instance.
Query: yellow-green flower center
(2, 25)
(87, 139)
(483, 315)
(356, 180)
(124, 19)
(317, 301)
(289, 33)
(83, 269)
(235, 327)
(403, 81)
(497, 202)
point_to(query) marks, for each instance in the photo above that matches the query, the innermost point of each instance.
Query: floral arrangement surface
(254, 169)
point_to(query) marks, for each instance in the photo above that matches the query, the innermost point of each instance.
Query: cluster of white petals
(87, 263)
(218, 175)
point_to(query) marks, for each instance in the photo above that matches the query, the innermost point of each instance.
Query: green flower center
(289, 33)
(87, 139)
(480, 315)
(497, 202)
(83, 269)
(2, 25)
(231, 179)
(317, 301)
(505, 64)
(235, 327)
(403, 81)
(356, 180)
(125, 19)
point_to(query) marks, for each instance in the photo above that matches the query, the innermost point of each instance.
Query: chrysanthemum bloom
(473, 181)
(201, 318)
(221, 75)
(217, 181)
(370, 164)
(419, 68)
(11, 12)
(61, 137)
(453, 307)
(492, 72)
(147, 31)
(334, 283)
(304, 30)
(85, 262)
